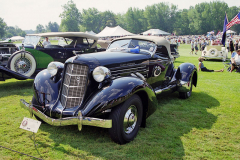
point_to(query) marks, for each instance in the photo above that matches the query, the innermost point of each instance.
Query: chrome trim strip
(68, 97)
(76, 75)
(163, 89)
(78, 120)
(73, 86)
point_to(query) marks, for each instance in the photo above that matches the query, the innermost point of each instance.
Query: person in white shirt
(235, 60)
(227, 44)
(200, 44)
(46, 42)
(192, 47)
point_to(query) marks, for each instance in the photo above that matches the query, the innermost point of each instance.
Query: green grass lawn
(205, 126)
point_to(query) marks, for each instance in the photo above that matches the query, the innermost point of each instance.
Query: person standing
(200, 44)
(239, 44)
(196, 46)
(236, 45)
(192, 47)
(227, 45)
(204, 45)
(231, 46)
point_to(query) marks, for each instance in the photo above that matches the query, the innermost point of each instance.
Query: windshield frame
(127, 46)
(31, 40)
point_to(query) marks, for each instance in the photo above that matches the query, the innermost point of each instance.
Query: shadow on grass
(177, 61)
(8, 87)
(161, 139)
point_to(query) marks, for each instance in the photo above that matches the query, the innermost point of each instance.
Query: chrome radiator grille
(74, 85)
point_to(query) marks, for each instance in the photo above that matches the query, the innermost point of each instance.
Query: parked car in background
(215, 52)
(116, 89)
(174, 51)
(33, 57)
(6, 50)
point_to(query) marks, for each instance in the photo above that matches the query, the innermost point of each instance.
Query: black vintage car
(115, 89)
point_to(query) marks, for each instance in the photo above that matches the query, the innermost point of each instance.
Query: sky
(27, 14)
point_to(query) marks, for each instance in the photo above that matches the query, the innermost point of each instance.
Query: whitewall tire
(23, 63)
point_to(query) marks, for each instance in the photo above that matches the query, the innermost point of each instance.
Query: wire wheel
(22, 62)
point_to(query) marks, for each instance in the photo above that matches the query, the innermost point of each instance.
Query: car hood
(112, 59)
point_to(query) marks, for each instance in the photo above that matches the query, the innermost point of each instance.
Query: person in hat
(204, 69)
(235, 60)
(46, 42)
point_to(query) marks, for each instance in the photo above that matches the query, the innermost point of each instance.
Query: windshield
(126, 45)
(31, 40)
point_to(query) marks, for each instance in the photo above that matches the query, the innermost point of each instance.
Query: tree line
(200, 19)
(197, 20)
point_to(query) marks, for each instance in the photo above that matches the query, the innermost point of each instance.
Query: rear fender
(185, 73)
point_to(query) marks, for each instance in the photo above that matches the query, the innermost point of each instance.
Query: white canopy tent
(230, 32)
(17, 38)
(155, 32)
(113, 32)
(91, 32)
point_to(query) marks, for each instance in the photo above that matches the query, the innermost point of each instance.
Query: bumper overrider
(78, 120)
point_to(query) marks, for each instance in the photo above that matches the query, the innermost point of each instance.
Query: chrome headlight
(53, 67)
(101, 73)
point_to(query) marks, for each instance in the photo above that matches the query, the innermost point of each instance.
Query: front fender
(6, 73)
(186, 72)
(115, 93)
(45, 90)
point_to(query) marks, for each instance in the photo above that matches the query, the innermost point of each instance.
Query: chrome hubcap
(130, 119)
(212, 52)
(22, 65)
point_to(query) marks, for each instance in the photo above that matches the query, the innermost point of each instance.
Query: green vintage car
(34, 57)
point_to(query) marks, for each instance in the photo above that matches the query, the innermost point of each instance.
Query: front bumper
(208, 57)
(79, 120)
